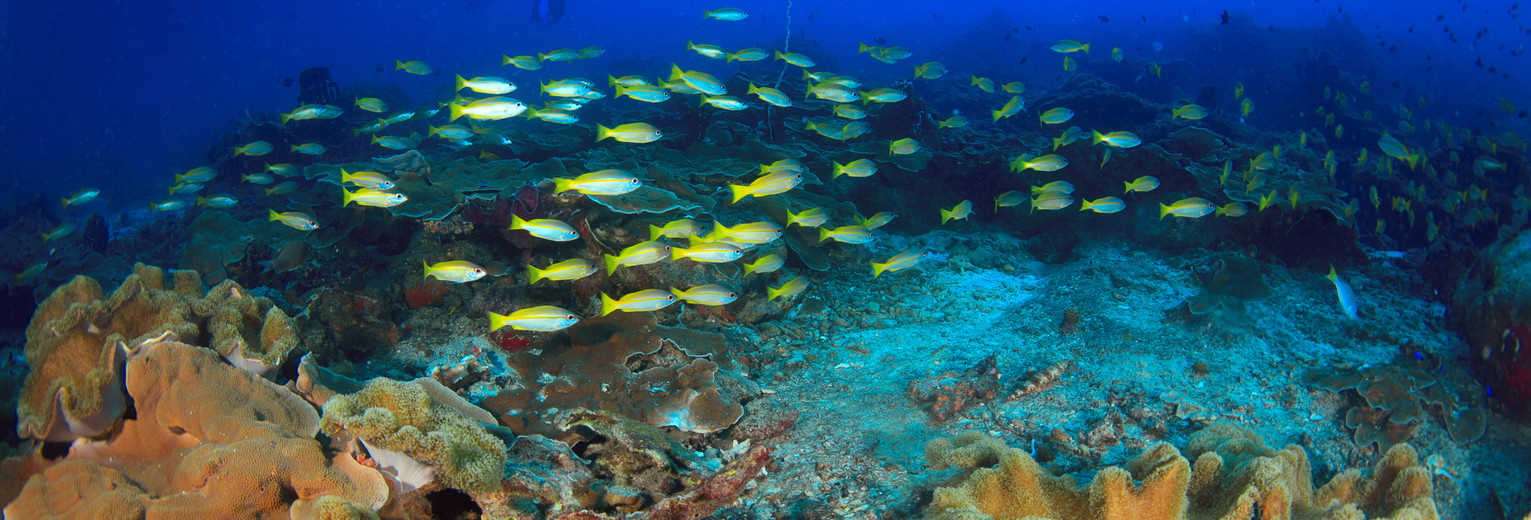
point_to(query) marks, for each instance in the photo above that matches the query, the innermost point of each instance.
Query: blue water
(120, 95)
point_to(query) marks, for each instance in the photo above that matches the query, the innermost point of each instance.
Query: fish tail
(461, 83)
(1163, 210)
(562, 185)
(272, 216)
(608, 305)
(533, 274)
(497, 320)
(823, 234)
(1096, 137)
(453, 108)
(946, 215)
(772, 293)
(655, 232)
(1127, 189)
(995, 113)
(839, 169)
(427, 273)
(677, 253)
(739, 192)
(397, 65)
(1086, 48)
(611, 264)
(877, 269)
(346, 198)
(601, 133)
(675, 72)
(516, 222)
(749, 269)
(286, 118)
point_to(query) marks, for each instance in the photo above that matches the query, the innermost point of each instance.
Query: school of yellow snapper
(482, 99)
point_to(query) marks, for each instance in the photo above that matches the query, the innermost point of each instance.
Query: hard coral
(1235, 477)
(249, 331)
(208, 441)
(402, 417)
(425, 293)
(625, 363)
(76, 344)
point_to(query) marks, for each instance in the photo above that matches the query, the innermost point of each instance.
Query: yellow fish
(908, 258)
(293, 219)
(603, 182)
(565, 270)
(765, 264)
(642, 253)
(416, 67)
(545, 228)
(1057, 116)
(546, 318)
(959, 212)
(708, 252)
(675, 229)
(780, 181)
(642, 301)
(456, 271)
(371, 197)
(1191, 207)
(629, 133)
(711, 294)
(792, 288)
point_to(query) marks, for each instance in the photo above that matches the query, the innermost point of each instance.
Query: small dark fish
(378, 70)
(287, 82)
(1024, 58)
(881, 41)
(1411, 29)
(1271, 28)
(1104, 18)
(1015, 29)
(1145, 18)
(1397, 84)
(1007, 37)
(1225, 17)
(1480, 63)
(1394, 48)
(1440, 17)
(1028, 28)
(932, 14)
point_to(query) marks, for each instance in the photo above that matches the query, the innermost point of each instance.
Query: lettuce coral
(401, 417)
(1236, 476)
(207, 440)
(76, 345)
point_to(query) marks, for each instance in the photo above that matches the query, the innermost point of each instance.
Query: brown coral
(249, 331)
(76, 342)
(1235, 477)
(208, 441)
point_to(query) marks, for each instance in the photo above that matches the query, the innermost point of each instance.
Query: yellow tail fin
(608, 305)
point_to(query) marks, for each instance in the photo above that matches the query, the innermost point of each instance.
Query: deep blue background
(121, 95)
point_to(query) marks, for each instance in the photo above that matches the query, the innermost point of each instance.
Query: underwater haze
(575, 260)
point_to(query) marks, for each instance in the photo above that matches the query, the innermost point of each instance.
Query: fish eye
(571, 317)
(732, 295)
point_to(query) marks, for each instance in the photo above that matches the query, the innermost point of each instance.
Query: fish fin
(533, 274)
(608, 305)
(611, 264)
(516, 222)
(562, 185)
(427, 274)
(877, 269)
(739, 192)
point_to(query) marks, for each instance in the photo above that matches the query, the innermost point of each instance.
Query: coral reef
(77, 342)
(627, 364)
(404, 428)
(1393, 400)
(207, 440)
(1235, 476)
